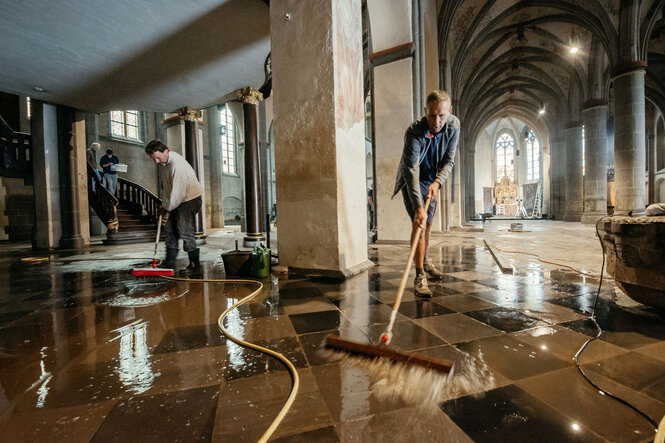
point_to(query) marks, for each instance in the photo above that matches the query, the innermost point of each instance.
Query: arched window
(228, 141)
(532, 156)
(505, 154)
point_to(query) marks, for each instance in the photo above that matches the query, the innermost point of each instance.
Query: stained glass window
(505, 152)
(125, 124)
(228, 141)
(532, 156)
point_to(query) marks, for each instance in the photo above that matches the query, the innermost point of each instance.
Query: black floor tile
(509, 414)
(355, 300)
(422, 308)
(191, 337)
(316, 321)
(505, 319)
(177, 416)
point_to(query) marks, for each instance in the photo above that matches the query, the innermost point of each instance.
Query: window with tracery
(125, 124)
(228, 141)
(505, 156)
(532, 156)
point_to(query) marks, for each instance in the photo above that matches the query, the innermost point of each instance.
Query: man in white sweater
(182, 200)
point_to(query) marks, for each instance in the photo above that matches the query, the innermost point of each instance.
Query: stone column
(558, 177)
(573, 171)
(629, 138)
(73, 179)
(192, 155)
(250, 99)
(393, 114)
(595, 148)
(319, 136)
(44, 131)
(217, 215)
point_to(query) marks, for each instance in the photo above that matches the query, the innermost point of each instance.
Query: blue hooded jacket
(417, 142)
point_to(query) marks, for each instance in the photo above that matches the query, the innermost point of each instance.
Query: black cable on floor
(600, 332)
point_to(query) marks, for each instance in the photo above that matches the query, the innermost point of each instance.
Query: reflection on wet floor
(88, 352)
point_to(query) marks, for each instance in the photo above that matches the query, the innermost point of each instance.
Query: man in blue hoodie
(430, 144)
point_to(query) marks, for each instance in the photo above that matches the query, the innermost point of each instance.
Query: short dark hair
(155, 145)
(438, 95)
(109, 151)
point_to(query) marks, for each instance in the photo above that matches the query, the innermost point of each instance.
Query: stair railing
(15, 151)
(102, 201)
(138, 199)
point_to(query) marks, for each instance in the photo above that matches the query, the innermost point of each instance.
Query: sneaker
(431, 270)
(420, 285)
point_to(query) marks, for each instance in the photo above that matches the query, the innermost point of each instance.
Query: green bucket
(261, 261)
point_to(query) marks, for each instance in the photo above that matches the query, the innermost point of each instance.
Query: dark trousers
(181, 225)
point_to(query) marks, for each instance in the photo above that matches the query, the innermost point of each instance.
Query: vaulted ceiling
(132, 54)
(514, 57)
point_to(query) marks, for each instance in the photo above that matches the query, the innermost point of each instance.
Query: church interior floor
(88, 352)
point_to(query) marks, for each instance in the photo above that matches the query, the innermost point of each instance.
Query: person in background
(110, 176)
(91, 158)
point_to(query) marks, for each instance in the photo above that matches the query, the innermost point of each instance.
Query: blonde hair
(438, 95)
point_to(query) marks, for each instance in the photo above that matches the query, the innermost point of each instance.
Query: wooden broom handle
(407, 268)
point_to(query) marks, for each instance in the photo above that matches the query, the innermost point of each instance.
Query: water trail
(415, 385)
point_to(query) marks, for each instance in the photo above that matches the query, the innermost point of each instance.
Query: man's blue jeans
(111, 182)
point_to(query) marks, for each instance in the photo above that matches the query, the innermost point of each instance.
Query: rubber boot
(194, 265)
(169, 261)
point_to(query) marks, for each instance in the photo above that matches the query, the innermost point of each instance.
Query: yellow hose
(220, 323)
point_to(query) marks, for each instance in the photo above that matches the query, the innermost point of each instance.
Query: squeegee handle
(159, 229)
(405, 275)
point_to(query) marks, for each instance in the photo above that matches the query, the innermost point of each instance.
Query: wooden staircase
(130, 215)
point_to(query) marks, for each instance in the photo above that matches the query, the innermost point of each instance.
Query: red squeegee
(154, 270)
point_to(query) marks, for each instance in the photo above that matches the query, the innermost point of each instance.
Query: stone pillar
(558, 189)
(595, 148)
(573, 172)
(629, 138)
(193, 156)
(250, 99)
(393, 114)
(75, 217)
(264, 163)
(319, 136)
(44, 131)
(216, 208)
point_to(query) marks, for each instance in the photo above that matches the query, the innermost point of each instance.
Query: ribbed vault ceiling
(513, 57)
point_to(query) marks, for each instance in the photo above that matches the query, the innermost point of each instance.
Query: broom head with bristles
(366, 349)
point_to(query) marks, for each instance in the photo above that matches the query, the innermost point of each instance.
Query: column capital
(249, 95)
(190, 114)
(594, 103)
(627, 68)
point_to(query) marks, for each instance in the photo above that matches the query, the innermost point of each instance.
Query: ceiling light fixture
(38, 88)
(574, 50)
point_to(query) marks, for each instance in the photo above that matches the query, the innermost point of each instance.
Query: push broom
(382, 351)
(154, 270)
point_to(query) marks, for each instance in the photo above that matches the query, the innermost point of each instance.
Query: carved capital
(249, 95)
(190, 114)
